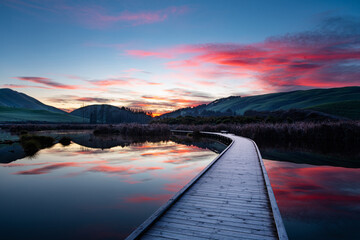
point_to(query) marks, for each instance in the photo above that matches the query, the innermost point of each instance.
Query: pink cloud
(99, 17)
(47, 82)
(123, 81)
(295, 64)
(142, 53)
(93, 99)
(182, 63)
(325, 57)
(110, 82)
(206, 83)
(131, 70)
(95, 16)
(171, 52)
(22, 86)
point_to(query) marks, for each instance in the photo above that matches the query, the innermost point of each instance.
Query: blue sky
(162, 55)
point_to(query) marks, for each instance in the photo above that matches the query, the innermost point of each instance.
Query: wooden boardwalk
(230, 199)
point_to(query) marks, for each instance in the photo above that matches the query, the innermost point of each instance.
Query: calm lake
(103, 188)
(317, 202)
(88, 191)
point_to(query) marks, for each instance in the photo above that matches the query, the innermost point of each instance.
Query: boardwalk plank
(221, 196)
(223, 221)
(245, 209)
(231, 219)
(174, 234)
(230, 199)
(220, 213)
(236, 229)
(212, 211)
(223, 205)
(236, 202)
(187, 232)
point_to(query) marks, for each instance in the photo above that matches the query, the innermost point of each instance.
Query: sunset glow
(164, 55)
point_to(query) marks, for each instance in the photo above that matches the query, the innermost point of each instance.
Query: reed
(327, 136)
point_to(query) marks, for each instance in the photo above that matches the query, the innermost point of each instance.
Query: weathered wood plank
(220, 213)
(215, 196)
(230, 195)
(264, 217)
(156, 236)
(237, 202)
(245, 209)
(241, 212)
(174, 234)
(230, 199)
(200, 233)
(196, 225)
(254, 208)
(223, 221)
(222, 218)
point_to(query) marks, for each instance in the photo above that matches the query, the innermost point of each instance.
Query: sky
(163, 55)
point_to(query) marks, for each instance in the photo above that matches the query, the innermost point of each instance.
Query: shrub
(33, 143)
(65, 141)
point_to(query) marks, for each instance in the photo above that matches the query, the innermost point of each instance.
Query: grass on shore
(341, 136)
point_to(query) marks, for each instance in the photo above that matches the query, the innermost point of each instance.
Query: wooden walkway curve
(230, 199)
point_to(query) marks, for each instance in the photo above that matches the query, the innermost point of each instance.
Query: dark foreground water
(78, 192)
(316, 201)
(103, 188)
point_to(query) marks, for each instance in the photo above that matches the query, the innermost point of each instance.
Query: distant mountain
(110, 114)
(12, 114)
(322, 100)
(14, 99)
(19, 107)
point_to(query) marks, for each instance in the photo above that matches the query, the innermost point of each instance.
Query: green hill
(302, 99)
(8, 114)
(19, 107)
(14, 99)
(348, 109)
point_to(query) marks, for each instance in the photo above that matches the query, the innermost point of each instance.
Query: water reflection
(99, 189)
(309, 156)
(86, 139)
(317, 202)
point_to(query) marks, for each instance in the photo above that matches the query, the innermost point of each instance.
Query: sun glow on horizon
(152, 57)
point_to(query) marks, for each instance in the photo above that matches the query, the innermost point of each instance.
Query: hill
(110, 114)
(19, 107)
(14, 99)
(250, 116)
(348, 109)
(9, 114)
(315, 99)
